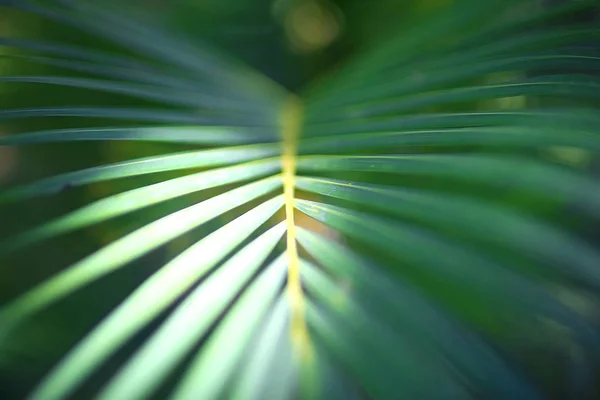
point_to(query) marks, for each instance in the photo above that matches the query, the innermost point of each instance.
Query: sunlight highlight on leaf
(129, 248)
(269, 371)
(205, 304)
(132, 200)
(215, 361)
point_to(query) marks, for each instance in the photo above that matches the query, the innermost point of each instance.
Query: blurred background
(295, 42)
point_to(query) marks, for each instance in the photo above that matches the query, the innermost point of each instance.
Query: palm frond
(410, 261)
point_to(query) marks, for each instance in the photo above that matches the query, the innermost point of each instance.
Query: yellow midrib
(291, 121)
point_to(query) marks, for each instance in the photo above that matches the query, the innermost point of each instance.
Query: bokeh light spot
(312, 26)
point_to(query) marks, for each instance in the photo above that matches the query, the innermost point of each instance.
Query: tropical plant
(446, 244)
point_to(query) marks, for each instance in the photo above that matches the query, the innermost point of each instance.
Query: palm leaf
(400, 182)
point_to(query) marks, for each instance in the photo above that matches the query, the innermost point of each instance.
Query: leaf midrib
(291, 121)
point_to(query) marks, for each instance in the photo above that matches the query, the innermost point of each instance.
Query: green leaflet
(184, 328)
(527, 119)
(74, 52)
(132, 114)
(132, 246)
(463, 266)
(414, 368)
(205, 304)
(400, 49)
(136, 199)
(148, 165)
(268, 371)
(474, 53)
(489, 39)
(485, 136)
(330, 380)
(129, 34)
(181, 97)
(226, 344)
(195, 60)
(440, 75)
(406, 310)
(381, 383)
(105, 66)
(515, 173)
(503, 227)
(564, 86)
(207, 135)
